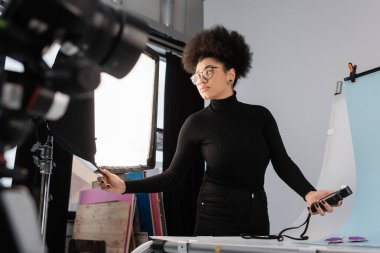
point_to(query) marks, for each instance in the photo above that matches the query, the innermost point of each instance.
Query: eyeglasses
(207, 73)
(335, 240)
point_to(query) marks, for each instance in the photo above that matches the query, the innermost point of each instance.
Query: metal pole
(167, 8)
(45, 207)
(41, 203)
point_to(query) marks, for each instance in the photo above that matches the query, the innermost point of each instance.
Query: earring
(230, 82)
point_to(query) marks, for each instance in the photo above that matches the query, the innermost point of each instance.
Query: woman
(237, 142)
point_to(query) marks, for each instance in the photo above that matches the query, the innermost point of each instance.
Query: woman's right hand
(110, 182)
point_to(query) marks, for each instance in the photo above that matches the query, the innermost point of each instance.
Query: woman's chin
(205, 96)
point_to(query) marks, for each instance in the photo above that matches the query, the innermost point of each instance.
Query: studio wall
(301, 49)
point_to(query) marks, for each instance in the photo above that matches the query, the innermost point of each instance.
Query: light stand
(45, 163)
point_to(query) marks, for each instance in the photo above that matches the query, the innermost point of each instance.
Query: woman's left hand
(316, 198)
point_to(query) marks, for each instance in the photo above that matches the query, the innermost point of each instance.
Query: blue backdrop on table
(363, 108)
(363, 104)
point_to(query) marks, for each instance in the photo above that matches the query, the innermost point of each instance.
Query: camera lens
(3, 5)
(112, 38)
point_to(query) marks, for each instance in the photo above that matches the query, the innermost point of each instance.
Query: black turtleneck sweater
(237, 142)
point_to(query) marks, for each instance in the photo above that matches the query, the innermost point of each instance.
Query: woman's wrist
(308, 195)
(124, 187)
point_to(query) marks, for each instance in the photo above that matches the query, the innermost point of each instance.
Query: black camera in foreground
(93, 36)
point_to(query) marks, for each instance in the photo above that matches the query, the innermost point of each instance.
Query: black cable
(280, 236)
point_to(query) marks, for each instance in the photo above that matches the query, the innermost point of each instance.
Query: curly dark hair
(228, 47)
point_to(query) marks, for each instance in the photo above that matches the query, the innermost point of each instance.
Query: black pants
(225, 211)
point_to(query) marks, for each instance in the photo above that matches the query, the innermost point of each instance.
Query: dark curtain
(181, 100)
(75, 131)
